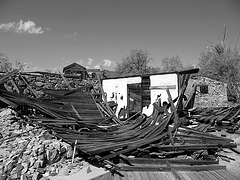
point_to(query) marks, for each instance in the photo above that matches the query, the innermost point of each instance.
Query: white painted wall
(119, 88)
(163, 80)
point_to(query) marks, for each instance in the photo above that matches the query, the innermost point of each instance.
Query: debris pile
(29, 151)
(53, 125)
(216, 118)
(33, 84)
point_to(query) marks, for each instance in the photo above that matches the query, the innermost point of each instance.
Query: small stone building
(209, 92)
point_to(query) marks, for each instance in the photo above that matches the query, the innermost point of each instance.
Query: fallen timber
(74, 116)
(216, 118)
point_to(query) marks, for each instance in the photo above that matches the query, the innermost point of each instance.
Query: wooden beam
(174, 172)
(163, 87)
(29, 87)
(65, 80)
(190, 147)
(165, 168)
(173, 108)
(5, 78)
(15, 86)
(172, 161)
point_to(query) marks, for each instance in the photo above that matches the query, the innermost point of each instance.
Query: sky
(50, 34)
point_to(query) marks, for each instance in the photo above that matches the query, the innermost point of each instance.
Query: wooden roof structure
(155, 142)
(74, 66)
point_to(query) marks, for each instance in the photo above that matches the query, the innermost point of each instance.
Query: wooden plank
(172, 161)
(192, 175)
(8, 88)
(185, 176)
(144, 168)
(5, 77)
(29, 87)
(209, 175)
(15, 86)
(198, 175)
(137, 175)
(200, 168)
(65, 80)
(190, 101)
(168, 176)
(143, 175)
(151, 176)
(168, 168)
(128, 175)
(165, 87)
(218, 176)
(226, 175)
(174, 172)
(179, 105)
(13, 104)
(158, 175)
(172, 107)
(187, 147)
(202, 175)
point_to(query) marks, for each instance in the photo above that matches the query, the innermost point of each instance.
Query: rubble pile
(54, 133)
(33, 85)
(28, 151)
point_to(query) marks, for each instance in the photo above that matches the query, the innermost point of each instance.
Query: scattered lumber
(216, 118)
(78, 120)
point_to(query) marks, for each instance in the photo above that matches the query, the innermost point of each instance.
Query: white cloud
(97, 67)
(107, 62)
(71, 35)
(80, 61)
(48, 29)
(8, 26)
(90, 61)
(23, 27)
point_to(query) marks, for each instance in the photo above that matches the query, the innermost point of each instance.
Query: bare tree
(222, 63)
(134, 63)
(171, 64)
(5, 65)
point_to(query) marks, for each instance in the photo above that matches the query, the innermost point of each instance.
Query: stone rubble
(31, 152)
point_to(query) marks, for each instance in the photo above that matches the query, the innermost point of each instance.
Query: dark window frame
(204, 89)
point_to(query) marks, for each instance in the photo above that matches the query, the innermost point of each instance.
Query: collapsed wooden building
(156, 143)
(135, 92)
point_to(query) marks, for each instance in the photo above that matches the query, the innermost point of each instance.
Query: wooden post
(15, 86)
(29, 87)
(74, 150)
(65, 80)
(173, 109)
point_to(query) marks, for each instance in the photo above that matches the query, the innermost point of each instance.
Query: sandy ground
(85, 173)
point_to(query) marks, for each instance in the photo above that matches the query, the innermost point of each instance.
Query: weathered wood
(194, 147)
(177, 168)
(29, 87)
(172, 161)
(163, 87)
(5, 77)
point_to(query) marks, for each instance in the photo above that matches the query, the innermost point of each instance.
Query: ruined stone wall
(209, 93)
